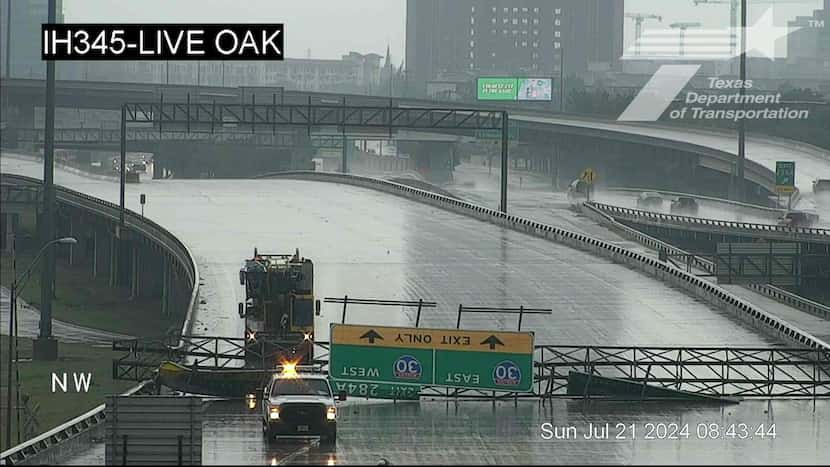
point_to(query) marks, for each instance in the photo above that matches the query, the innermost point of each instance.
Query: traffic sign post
(588, 176)
(492, 360)
(785, 179)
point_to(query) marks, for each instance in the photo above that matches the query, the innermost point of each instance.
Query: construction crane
(683, 27)
(734, 8)
(638, 27)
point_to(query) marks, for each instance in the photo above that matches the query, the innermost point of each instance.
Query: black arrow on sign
(493, 341)
(371, 335)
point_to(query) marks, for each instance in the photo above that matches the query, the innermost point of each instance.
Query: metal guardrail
(776, 211)
(152, 231)
(62, 433)
(651, 266)
(702, 263)
(730, 227)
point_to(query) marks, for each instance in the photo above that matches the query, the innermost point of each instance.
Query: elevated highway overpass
(392, 246)
(370, 244)
(692, 148)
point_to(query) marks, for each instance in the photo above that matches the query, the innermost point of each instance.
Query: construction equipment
(279, 304)
(638, 27)
(734, 7)
(683, 27)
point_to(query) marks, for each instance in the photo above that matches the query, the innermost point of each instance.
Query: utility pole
(8, 38)
(46, 347)
(739, 175)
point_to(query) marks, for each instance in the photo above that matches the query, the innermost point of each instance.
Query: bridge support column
(165, 285)
(8, 226)
(114, 253)
(72, 250)
(102, 252)
(135, 270)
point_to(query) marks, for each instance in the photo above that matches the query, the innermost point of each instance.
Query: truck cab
(298, 402)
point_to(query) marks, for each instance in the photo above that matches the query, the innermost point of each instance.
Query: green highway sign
(512, 133)
(494, 360)
(497, 89)
(785, 176)
(377, 390)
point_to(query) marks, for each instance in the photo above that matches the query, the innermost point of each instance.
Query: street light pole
(8, 39)
(739, 176)
(45, 347)
(17, 284)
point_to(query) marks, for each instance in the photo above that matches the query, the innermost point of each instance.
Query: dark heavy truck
(279, 308)
(279, 312)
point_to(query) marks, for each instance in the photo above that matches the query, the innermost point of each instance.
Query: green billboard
(497, 89)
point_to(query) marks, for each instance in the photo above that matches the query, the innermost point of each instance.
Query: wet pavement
(371, 245)
(530, 195)
(445, 432)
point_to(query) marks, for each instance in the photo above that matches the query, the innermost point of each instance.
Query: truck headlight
(331, 413)
(274, 413)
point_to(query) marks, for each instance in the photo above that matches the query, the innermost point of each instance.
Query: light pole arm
(20, 280)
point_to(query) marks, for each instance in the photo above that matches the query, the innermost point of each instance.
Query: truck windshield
(301, 387)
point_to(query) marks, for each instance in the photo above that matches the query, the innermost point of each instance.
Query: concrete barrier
(667, 273)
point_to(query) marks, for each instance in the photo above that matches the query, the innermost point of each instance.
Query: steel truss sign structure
(748, 372)
(345, 119)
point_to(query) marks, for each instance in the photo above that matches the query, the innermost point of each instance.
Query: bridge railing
(702, 263)
(676, 277)
(822, 235)
(161, 236)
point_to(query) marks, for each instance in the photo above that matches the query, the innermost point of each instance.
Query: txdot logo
(407, 367)
(507, 373)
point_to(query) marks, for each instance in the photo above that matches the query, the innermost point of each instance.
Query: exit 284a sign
(432, 357)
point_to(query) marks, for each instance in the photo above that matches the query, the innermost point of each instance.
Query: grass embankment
(52, 409)
(89, 302)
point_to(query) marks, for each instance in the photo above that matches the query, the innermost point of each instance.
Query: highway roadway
(369, 244)
(811, 162)
(469, 433)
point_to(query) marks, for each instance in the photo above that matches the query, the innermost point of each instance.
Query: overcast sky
(331, 28)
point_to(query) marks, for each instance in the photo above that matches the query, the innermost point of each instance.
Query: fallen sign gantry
(492, 360)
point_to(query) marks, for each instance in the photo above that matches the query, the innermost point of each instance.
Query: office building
(458, 40)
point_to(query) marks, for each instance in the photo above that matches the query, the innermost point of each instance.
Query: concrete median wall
(706, 291)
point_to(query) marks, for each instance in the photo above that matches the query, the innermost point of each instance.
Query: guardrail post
(418, 316)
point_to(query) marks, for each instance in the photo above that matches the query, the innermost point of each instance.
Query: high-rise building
(455, 40)
(23, 28)
(808, 43)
